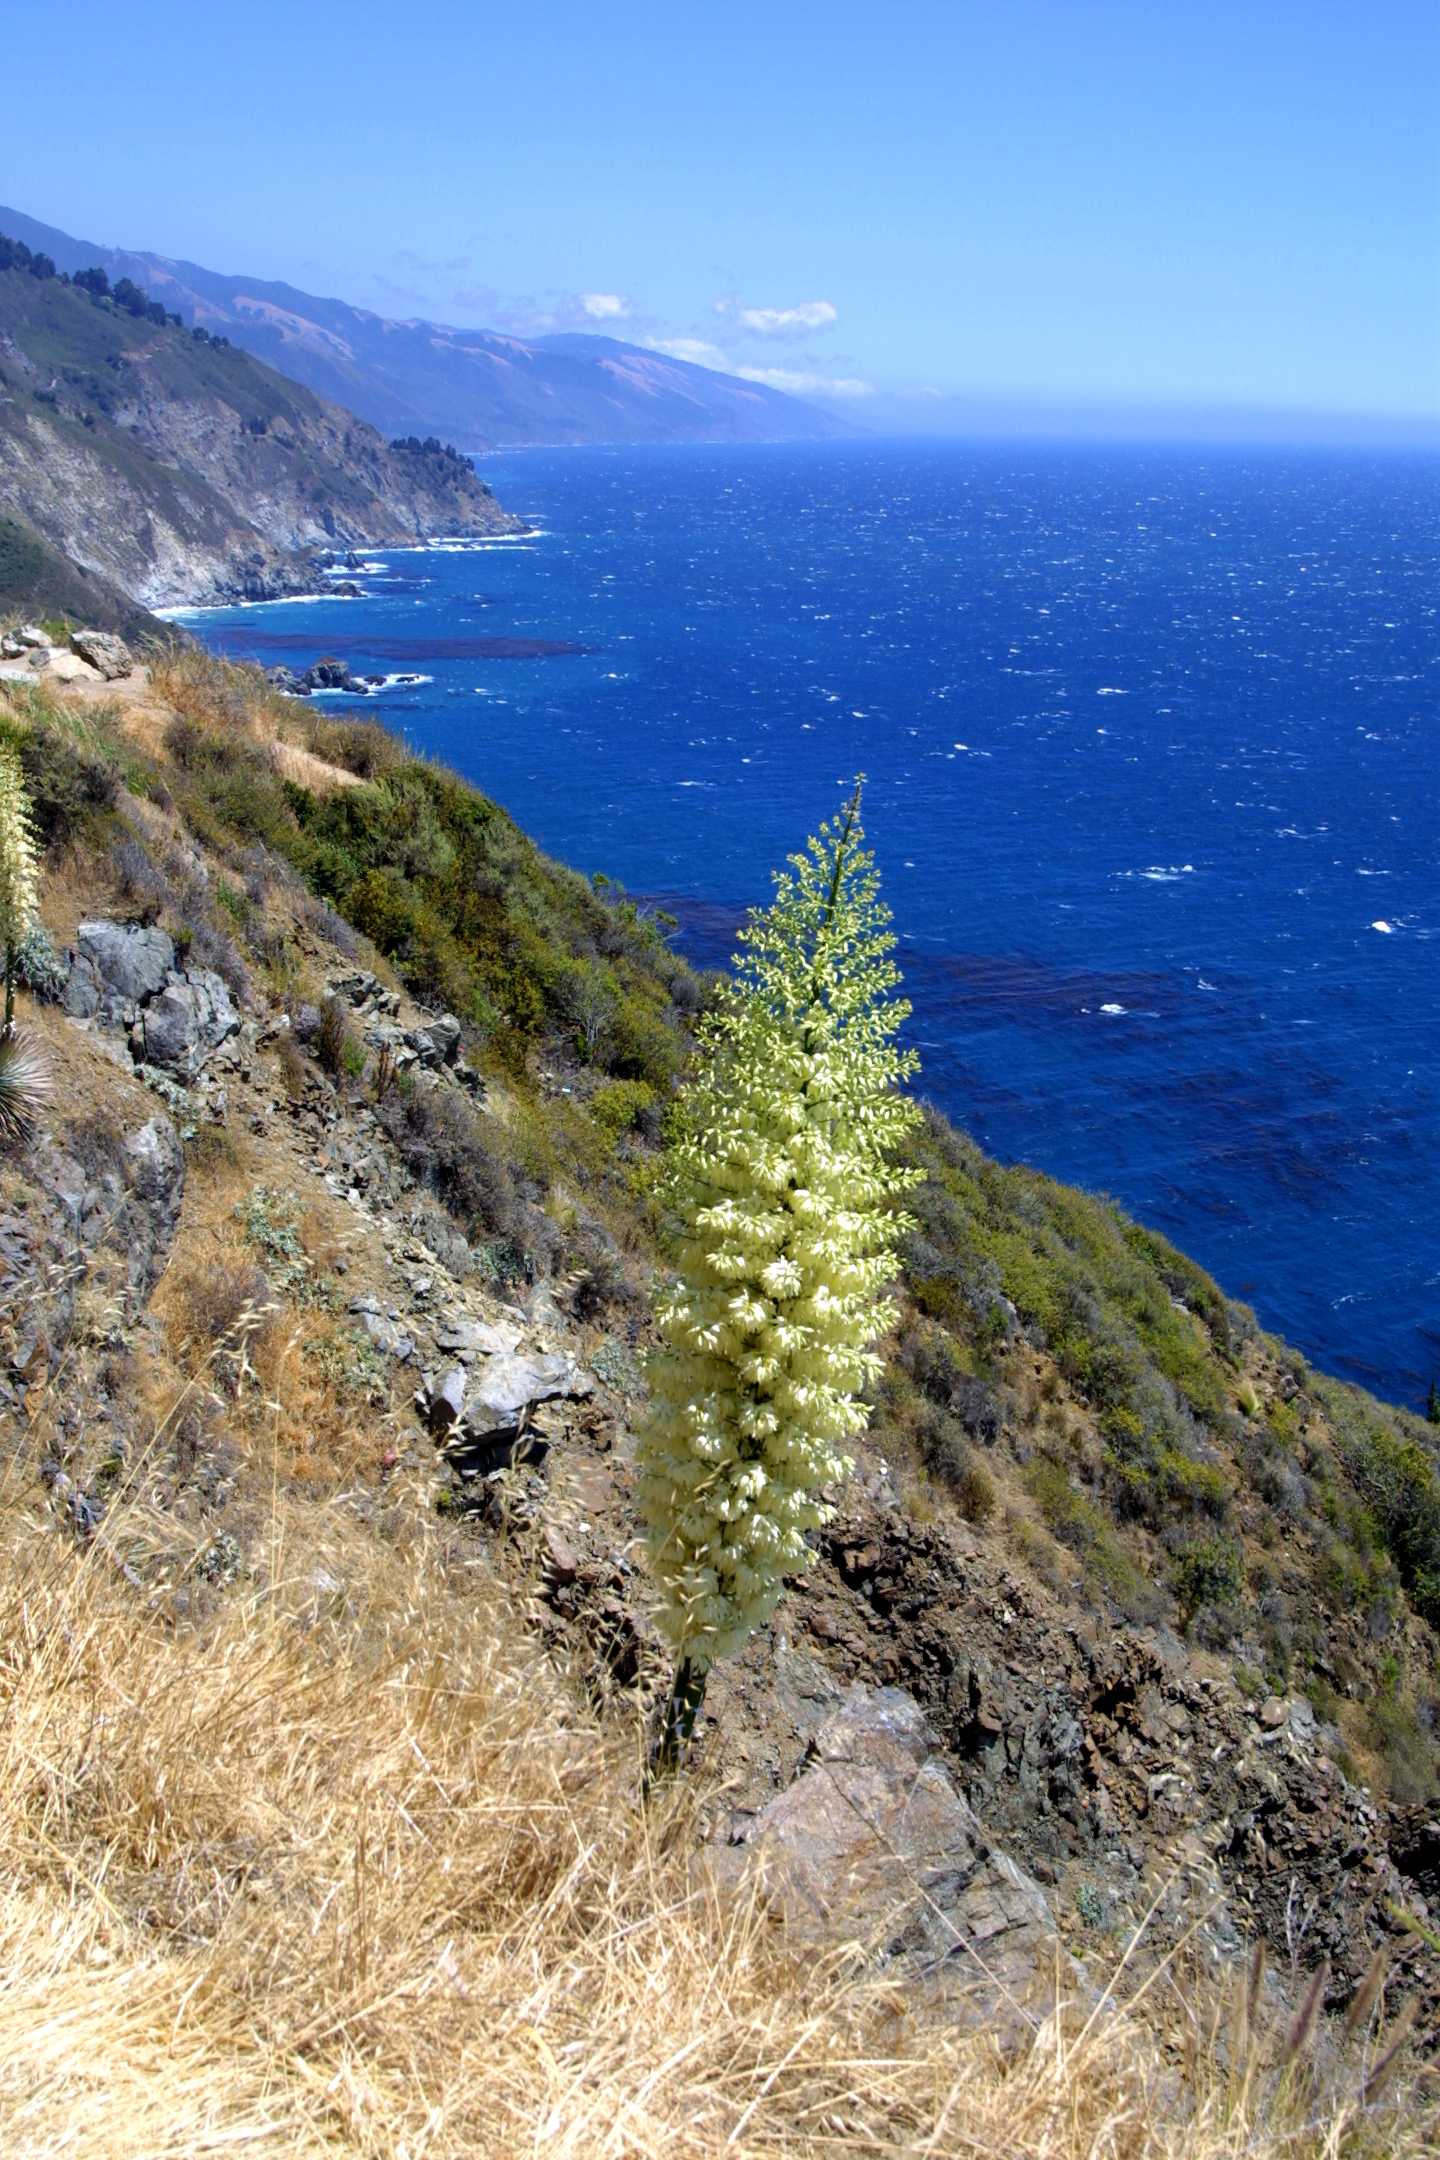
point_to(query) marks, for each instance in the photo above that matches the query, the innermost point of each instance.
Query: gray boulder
(459, 1336)
(108, 655)
(83, 989)
(509, 1386)
(442, 1402)
(129, 962)
(68, 667)
(438, 1042)
(383, 1326)
(182, 1028)
(482, 1422)
(366, 992)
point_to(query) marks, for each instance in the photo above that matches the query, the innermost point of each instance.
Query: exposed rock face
(117, 964)
(481, 1420)
(1108, 1760)
(874, 1836)
(152, 1174)
(181, 1028)
(127, 976)
(103, 1213)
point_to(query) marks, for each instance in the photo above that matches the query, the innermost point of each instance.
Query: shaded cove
(1153, 781)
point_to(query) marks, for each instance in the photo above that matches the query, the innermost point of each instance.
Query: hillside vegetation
(322, 1820)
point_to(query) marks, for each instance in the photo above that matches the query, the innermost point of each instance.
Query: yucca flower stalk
(778, 1184)
(24, 1078)
(19, 870)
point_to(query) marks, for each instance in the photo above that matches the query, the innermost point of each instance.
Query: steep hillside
(175, 468)
(482, 389)
(36, 579)
(325, 1291)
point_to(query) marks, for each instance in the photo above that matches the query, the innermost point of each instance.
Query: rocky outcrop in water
(333, 675)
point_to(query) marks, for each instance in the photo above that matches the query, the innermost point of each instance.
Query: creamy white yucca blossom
(19, 869)
(780, 1180)
(24, 1074)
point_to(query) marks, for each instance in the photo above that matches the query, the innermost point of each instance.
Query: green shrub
(946, 1453)
(71, 786)
(1395, 1472)
(619, 1106)
(1209, 1572)
(336, 1042)
(271, 1221)
(1407, 1749)
(352, 1364)
(467, 1161)
(1078, 1523)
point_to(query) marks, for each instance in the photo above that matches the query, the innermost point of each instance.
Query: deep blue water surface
(1154, 777)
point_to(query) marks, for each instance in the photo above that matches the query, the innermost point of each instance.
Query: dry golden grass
(229, 697)
(347, 1870)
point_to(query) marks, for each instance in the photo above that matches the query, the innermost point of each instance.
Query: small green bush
(71, 787)
(336, 1045)
(1209, 1572)
(619, 1106)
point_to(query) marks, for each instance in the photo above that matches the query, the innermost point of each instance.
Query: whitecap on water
(223, 607)
(406, 681)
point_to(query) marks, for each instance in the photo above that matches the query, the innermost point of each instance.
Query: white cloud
(782, 322)
(698, 350)
(799, 382)
(536, 314)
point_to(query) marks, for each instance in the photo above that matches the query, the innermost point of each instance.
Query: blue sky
(920, 208)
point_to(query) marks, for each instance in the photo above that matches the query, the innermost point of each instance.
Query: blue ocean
(1153, 776)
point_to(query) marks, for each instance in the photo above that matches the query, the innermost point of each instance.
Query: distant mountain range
(146, 463)
(477, 388)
